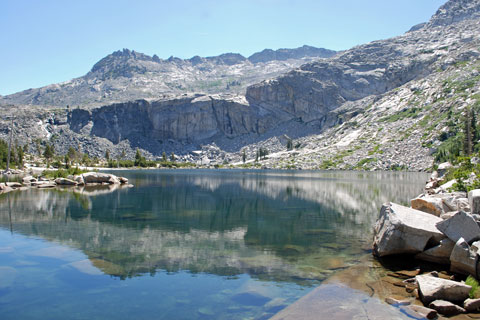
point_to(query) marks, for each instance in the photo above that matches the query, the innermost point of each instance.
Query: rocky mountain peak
(285, 54)
(122, 63)
(454, 11)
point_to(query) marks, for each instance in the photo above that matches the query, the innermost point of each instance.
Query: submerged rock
(402, 230)
(446, 308)
(421, 312)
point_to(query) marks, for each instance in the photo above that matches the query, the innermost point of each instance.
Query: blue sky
(50, 41)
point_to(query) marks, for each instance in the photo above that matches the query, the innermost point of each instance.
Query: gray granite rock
(432, 288)
(401, 229)
(472, 305)
(446, 307)
(438, 254)
(461, 225)
(474, 201)
(428, 204)
(462, 259)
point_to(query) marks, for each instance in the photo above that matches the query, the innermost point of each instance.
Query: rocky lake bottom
(190, 244)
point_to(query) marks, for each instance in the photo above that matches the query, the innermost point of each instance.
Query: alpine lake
(187, 244)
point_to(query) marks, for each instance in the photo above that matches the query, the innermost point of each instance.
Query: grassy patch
(62, 173)
(404, 114)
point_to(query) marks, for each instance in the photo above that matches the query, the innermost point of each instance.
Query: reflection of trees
(269, 226)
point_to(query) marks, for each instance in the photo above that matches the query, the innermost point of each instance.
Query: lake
(187, 244)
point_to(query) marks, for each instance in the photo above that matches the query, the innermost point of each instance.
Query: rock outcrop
(402, 230)
(85, 179)
(433, 288)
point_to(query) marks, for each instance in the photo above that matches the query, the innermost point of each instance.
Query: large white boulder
(65, 182)
(460, 225)
(401, 230)
(463, 260)
(97, 177)
(433, 288)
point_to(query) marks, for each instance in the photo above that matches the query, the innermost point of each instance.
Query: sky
(51, 41)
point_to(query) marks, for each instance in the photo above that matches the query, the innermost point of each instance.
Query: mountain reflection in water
(279, 226)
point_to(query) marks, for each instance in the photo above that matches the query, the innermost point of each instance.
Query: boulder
(421, 312)
(65, 182)
(79, 180)
(432, 288)
(432, 184)
(446, 308)
(46, 185)
(438, 254)
(463, 260)
(432, 205)
(4, 188)
(443, 168)
(123, 180)
(472, 305)
(460, 225)
(455, 201)
(14, 185)
(448, 215)
(476, 247)
(97, 177)
(401, 230)
(474, 201)
(446, 186)
(397, 302)
(28, 179)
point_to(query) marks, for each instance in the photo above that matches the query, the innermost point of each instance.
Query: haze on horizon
(52, 41)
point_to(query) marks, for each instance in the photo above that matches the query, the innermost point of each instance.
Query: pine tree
(467, 131)
(48, 153)
(475, 131)
(172, 157)
(244, 156)
(289, 144)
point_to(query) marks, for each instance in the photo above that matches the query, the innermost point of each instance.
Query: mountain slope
(129, 75)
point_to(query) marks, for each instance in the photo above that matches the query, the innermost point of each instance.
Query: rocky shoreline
(439, 230)
(88, 179)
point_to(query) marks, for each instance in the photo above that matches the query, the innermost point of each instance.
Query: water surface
(186, 244)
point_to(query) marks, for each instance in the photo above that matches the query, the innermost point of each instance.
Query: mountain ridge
(128, 75)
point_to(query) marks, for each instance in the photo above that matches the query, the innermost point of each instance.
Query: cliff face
(188, 119)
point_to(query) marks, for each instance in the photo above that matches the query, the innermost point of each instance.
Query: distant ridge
(126, 75)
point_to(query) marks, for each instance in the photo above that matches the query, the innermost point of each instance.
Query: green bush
(474, 292)
(62, 173)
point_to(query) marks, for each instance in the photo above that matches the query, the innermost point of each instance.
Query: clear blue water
(186, 244)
